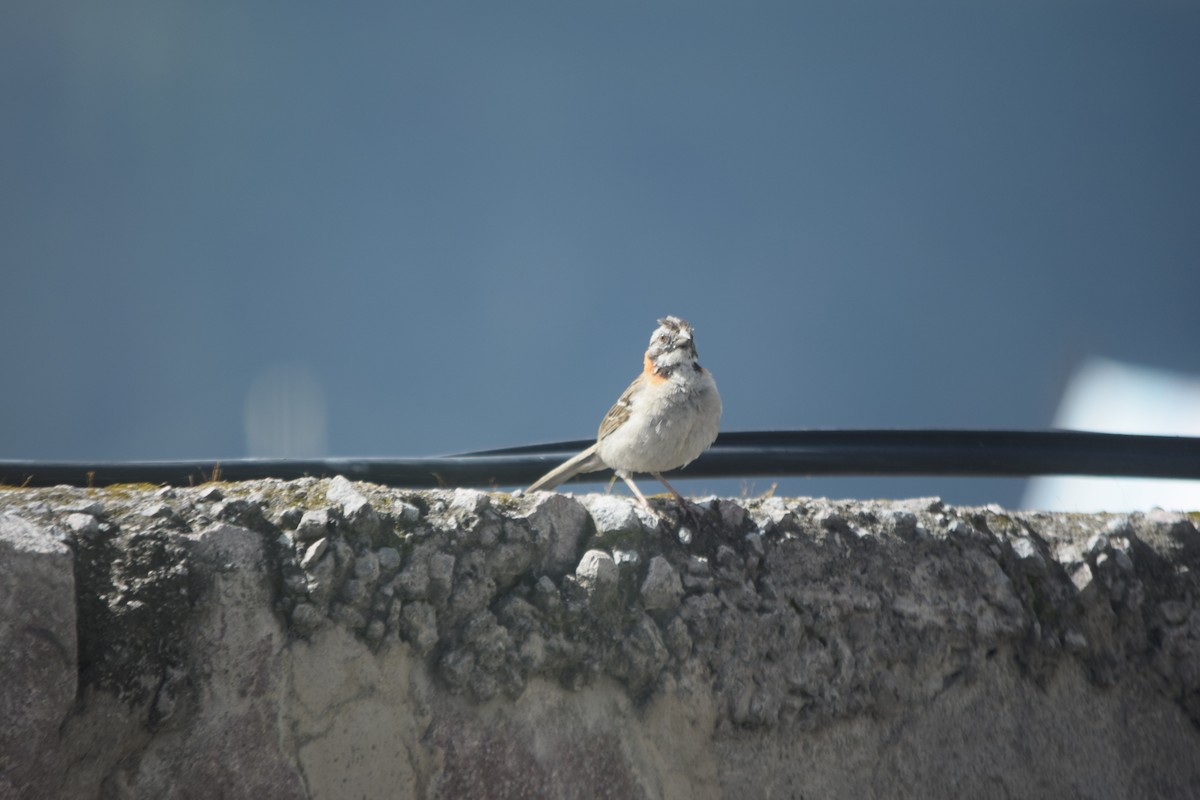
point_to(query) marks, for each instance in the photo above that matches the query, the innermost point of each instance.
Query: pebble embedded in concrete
(313, 525)
(83, 524)
(662, 589)
(614, 517)
(314, 552)
(597, 572)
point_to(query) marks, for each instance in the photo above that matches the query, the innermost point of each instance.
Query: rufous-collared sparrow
(667, 417)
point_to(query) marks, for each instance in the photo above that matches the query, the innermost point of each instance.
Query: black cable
(734, 455)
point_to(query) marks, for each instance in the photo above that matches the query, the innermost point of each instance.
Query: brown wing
(619, 413)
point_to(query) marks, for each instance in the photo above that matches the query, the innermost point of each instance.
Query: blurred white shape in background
(1113, 397)
(285, 414)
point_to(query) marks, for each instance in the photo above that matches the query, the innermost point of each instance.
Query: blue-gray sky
(459, 221)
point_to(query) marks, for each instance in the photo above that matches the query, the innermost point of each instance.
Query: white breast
(669, 425)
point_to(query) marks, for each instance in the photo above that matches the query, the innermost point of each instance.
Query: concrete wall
(323, 639)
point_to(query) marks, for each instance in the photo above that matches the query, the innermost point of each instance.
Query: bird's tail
(587, 461)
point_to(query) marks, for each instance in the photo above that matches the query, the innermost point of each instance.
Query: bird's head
(671, 346)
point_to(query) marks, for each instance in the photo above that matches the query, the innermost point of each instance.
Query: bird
(667, 417)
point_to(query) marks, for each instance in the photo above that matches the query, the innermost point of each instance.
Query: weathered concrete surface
(38, 665)
(327, 639)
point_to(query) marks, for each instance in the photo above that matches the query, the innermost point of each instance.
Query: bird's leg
(687, 509)
(637, 492)
(678, 497)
